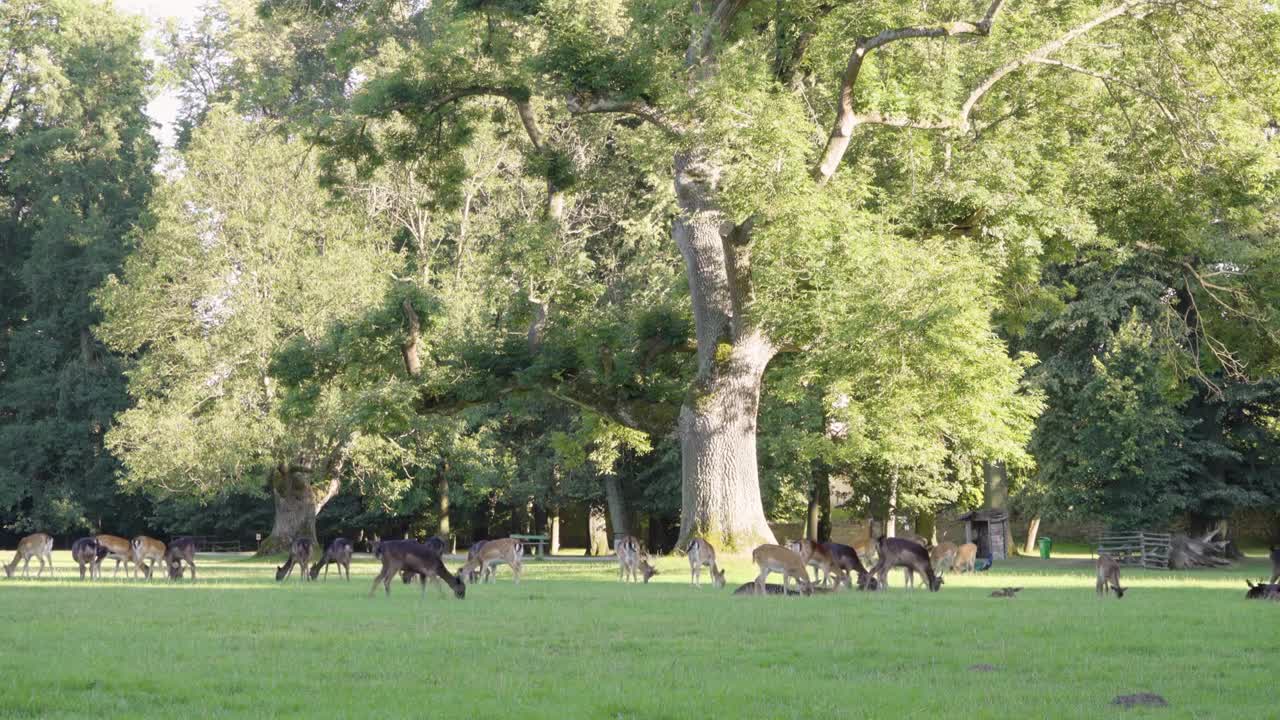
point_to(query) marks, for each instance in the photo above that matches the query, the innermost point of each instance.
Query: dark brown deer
(180, 550)
(398, 555)
(750, 588)
(338, 553)
(35, 545)
(847, 561)
(1262, 591)
(907, 554)
(1108, 576)
(300, 555)
(702, 553)
(89, 552)
(435, 543)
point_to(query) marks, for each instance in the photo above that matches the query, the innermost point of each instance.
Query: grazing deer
(143, 549)
(907, 554)
(88, 551)
(847, 561)
(35, 545)
(1108, 576)
(966, 558)
(943, 556)
(180, 550)
(632, 560)
(817, 556)
(338, 553)
(399, 555)
(701, 553)
(300, 555)
(435, 543)
(118, 549)
(1275, 565)
(494, 553)
(1262, 591)
(775, 558)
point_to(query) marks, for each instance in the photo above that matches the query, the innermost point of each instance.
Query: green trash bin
(1045, 545)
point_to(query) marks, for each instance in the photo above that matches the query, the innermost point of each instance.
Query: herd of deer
(424, 561)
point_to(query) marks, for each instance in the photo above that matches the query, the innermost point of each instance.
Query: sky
(163, 109)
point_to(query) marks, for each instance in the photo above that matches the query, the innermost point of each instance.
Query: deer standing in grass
(118, 549)
(493, 553)
(300, 555)
(701, 553)
(943, 556)
(907, 554)
(338, 553)
(775, 558)
(818, 556)
(35, 545)
(1108, 576)
(89, 552)
(144, 549)
(966, 558)
(180, 550)
(847, 562)
(399, 555)
(633, 561)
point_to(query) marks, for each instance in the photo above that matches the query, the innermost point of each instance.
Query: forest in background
(464, 266)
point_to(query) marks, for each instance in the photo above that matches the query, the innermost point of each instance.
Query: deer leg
(764, 575)
(26, 572)
(517, 569)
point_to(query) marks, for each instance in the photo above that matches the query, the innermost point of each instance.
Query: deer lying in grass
(701, 553)
(749, 588)
(966, 558)
(399, 555)
(493, 553)
(633, 560)
(943, 556)
(35, 545)
(817, 556)
(180, 550)
(88, 551)
(1262, 590)
(143, 549)
(1108, 576)
(118, 549)
(300, 555)
(1006, 592)
(847, 561)
(777, 559)
(338, 553)
(907, 554)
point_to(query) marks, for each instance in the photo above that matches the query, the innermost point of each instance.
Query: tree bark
(1033, 529)
(996, 494)
(555, 530)
(597, 532)
(927, 526)
(297, 503)
(442, 502)
(891, 515)
(617, 505)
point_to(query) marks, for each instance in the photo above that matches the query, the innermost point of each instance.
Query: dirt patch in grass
(1139, 700)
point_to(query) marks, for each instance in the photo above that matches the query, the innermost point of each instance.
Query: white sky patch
(163, 108)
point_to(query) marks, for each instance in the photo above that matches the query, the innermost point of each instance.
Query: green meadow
(570, 641)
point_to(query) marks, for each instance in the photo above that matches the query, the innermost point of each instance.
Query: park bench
(538, 541)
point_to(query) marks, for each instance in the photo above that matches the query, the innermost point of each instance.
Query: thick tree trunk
(617, 505)
(812, 516)
(554, 522)
(442, 503)
(597, 531)
(297, 503)
(1033, 529)
(996, 494)
(891, 515)
(927, 526)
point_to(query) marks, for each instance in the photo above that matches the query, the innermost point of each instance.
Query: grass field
(572, 642)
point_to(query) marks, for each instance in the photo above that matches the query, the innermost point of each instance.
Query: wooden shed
(986, 529)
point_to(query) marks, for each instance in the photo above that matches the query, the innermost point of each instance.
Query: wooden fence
(1143, 549)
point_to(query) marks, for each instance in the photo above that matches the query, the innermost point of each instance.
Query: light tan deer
(118, 549)
(35, 545)
(1108, 576)
(943, 556)
(701, 553)
(775, 558)
(493, 553)
(146, 549)
(300, 556)
(966, 558)
(818, 556)
(633, 561)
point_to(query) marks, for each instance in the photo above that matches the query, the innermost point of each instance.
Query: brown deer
(749, 588)
(494, 553)
(966, 558)
(144, 549)
(943, 556)
(338, 553)
(118, 549)
(180, 550)
(817, 556)
(633, 561)
(88, 551)
(399, 555)
(474, 552)
(435, 543)
(1108, 576)
(847, 561)
(775, 558)
(300, 555)
(35, 545)
(907, 554)
(702, 553)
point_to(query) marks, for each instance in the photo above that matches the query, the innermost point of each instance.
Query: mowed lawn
(572, 642)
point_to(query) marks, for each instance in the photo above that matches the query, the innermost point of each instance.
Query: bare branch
(581, 106)
(721, 19)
